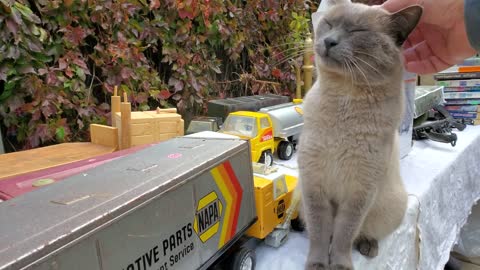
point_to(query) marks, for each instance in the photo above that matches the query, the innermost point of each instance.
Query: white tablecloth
(442, 183)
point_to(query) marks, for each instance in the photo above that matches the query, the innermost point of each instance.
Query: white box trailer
(180, 204)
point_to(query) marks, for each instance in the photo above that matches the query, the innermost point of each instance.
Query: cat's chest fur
(337, 121)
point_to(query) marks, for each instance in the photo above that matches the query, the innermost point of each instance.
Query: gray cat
(348, 156)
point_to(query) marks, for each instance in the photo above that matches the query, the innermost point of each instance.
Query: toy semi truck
(272, 129)
(182, 204)
(218, 110)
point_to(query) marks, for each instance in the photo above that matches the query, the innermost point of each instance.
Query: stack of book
(461, 92)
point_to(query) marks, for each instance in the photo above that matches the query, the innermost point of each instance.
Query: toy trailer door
(175, 205)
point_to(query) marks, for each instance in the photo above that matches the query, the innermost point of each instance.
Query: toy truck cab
(256, 127)
(273, 129)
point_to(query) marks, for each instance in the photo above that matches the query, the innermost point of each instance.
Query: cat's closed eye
(357, 30)
(329, 24)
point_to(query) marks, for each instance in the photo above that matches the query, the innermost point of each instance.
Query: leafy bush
(60, 59)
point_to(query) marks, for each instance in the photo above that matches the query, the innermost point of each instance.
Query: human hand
(440, 39)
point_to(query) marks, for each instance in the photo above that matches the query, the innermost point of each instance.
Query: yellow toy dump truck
(272, 129)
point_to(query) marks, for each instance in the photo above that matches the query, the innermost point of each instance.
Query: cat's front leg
(319, 223)
(347, 224)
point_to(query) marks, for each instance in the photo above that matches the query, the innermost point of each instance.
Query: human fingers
(416, 36)
(421, 60)
(428, 66)
(423, 51)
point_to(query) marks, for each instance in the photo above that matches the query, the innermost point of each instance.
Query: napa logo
(207, 216)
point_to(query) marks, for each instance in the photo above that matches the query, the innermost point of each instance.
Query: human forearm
(472, 22)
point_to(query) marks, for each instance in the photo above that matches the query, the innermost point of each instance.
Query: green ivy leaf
(80, 73)
(60, 134)
(27, 13)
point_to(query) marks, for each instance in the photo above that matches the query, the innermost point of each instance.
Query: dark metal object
(439, 128)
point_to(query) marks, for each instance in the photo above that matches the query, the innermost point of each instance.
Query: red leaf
(62, 122)
(177, 84)
(12, 26)
(84, 111)
(75, 34)
(141, 97)
(69, 72)
(34, 141)
(62, 64)
(51, 78)
(277, 73)
(79, 62)
(42, 132)
(126, 73)
(184, 14)
(36, 115)
(48, 109)
(193, 82)
(154, 4)
(165, 94)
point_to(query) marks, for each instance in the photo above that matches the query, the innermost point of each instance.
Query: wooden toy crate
(152, 126)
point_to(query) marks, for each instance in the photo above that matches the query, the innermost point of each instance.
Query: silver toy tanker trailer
(218, 110)
(180, 204)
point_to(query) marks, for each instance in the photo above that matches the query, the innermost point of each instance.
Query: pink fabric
(17, 185)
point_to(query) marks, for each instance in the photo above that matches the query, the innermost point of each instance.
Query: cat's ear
(403, 22)
(331, 3)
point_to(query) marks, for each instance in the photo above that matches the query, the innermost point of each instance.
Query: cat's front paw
(317, 259)
(316, 266)
(341, 267)
(341, 262)
(367, 246)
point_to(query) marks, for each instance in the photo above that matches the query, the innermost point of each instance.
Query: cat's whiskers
(350, 69)
(301, 43)
(366, 63)
(354, 62)
(293, 50)
(367, 54)
(290, 57)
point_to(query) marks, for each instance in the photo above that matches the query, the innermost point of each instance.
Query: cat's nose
(330, 42)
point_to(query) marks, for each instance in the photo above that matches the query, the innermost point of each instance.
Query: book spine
(462, 89)
(469, 69)
(460, 109)
(456, 76)
(462, 101)
(459, 83)
(461, 95)
(465, 115)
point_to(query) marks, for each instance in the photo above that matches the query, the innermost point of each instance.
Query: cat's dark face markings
(362, 42)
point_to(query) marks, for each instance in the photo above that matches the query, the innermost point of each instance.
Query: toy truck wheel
(297, 225)
(244, 259)
(285, 150)
(266, 158)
